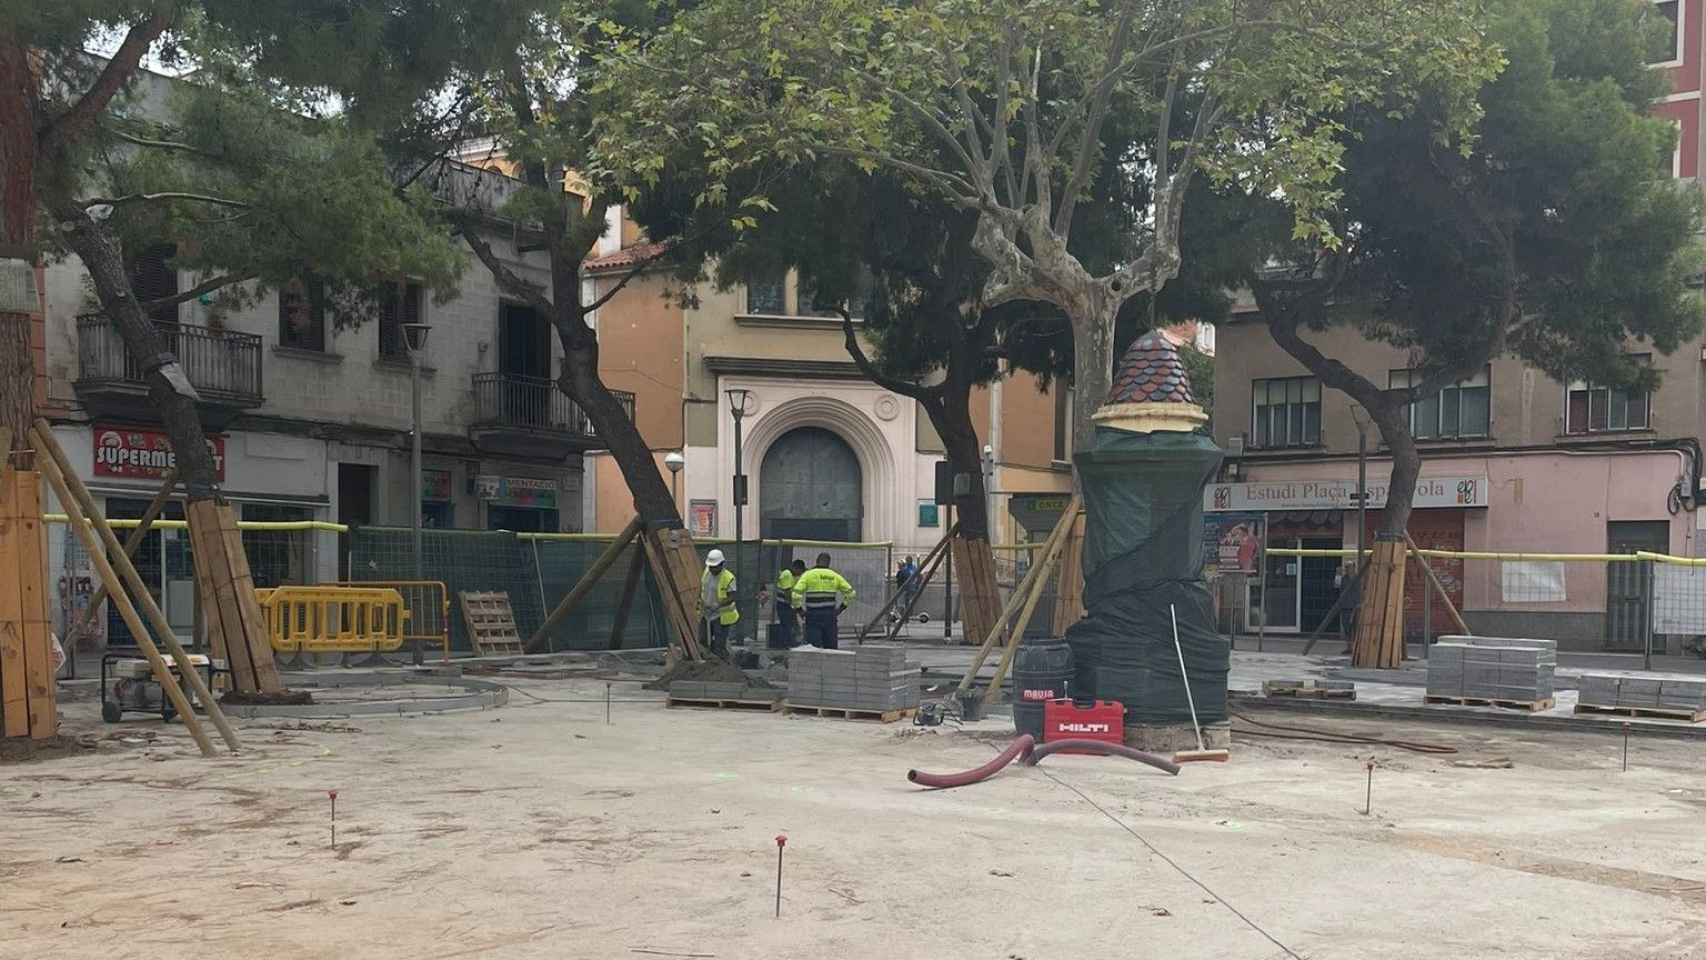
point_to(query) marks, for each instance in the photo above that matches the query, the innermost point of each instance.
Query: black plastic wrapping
(1142, 552)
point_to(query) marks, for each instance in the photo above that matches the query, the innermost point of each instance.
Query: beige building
(829, 454)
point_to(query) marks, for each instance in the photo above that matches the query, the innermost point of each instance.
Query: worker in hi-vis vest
(787, 612)
(822, 594)
(717, 602)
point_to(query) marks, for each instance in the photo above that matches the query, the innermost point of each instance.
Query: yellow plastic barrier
(334, 619)
(426, 605)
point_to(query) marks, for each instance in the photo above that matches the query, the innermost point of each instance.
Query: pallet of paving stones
(1534, 706)
(1495, 671)
(1657, 695)
(873, 681)
(1310, 689)
(725, 695)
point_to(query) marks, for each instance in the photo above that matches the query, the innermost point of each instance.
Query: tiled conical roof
(1151, 372)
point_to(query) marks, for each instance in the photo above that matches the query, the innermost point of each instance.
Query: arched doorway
(810, 487)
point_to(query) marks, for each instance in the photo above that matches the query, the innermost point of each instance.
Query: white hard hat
(714, 558)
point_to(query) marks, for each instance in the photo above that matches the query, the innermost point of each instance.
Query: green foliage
(1199, 366)
(1559, 237)
(889, 84)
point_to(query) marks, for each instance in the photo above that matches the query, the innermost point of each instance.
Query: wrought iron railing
(533, 403)
(223, 365)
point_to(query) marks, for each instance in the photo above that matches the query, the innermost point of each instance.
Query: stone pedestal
(1169, 738)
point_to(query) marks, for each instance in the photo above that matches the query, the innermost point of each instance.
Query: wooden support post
(676, 609)
(630, 587)
(1439, 588)
(14, 688)
(85, 531)
(1051, 546)
(925, 574)
(1069, 598)
(28, 693)
(59, 471)
(132, 542)
(1017, 635)
(233, 615)
(584, 585)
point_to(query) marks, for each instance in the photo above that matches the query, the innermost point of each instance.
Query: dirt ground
(537, 830)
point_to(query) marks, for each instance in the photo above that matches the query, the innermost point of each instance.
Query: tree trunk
(633, 456)
(104, 259)
(1092, 363)
(219, 555)
(1379, 640)
(973, 557)
(17, 237)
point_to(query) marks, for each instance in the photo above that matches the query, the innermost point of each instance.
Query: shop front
(267, 477)
(520, 504)
(1296, 593)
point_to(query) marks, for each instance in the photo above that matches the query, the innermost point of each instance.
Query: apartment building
(829, 455)
(311, 419)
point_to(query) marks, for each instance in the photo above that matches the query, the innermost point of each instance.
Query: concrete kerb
(1608, 725)
(479, 695)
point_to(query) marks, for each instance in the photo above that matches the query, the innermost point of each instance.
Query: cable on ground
(1253, 925)
(1280, 731)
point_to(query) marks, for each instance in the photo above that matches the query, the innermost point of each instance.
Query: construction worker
(822, 594)
(787, 614)
(717, 602)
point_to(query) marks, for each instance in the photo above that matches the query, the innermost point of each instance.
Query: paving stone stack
(720, 690)
(874, 678)
(1492, 668)
(1671, 693)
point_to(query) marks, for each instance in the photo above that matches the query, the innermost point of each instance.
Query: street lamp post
(415, 335)
(737, 408)
(675, 461)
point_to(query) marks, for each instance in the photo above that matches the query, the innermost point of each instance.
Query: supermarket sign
(1339, 494)
(144, 454)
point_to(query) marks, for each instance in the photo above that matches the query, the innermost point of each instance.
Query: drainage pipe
(1102, 748)
(942, 781)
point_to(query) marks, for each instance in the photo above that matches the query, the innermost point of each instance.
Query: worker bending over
(787, 608)
(822, 594)
(717, 602)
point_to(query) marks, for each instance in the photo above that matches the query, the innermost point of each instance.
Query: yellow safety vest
(727, 613)
(820, 588)
(785, 587)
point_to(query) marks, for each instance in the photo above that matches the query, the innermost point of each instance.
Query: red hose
(1103, 748)
(942, 781)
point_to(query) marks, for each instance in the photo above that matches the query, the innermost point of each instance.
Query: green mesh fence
(465, 560)
(589, 626)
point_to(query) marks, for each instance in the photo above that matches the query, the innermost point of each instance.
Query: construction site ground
(540, 830)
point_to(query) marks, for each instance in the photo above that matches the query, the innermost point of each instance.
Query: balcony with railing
(529, 416)
(224, 367)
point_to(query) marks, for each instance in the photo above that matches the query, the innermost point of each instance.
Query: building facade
(829, 455)
(311, 419)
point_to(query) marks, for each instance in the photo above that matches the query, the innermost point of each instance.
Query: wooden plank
(881, 716)
(39, 682)
(222, 614)
(1069, 596)
(1532, 705)
(66, 478)
(1051, 545)
(162, 674)
(1017, 636)
(680, 617)
(1666, 713)
(248, 606)
(1393, 646)
(213, 627)
(491, 623)
(14, 698)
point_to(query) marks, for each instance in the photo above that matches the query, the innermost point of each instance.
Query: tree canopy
(1002, 107)
(1551, 231)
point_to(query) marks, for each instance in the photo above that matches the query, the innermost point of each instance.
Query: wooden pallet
(1306, 690)
(1668, 713)
(491, 623)
(1533, 706)
(768, 706)
(881, 716)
